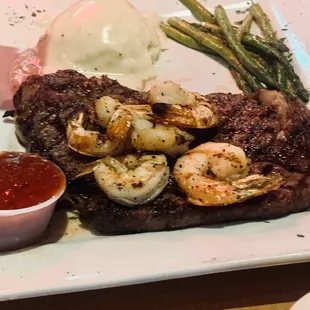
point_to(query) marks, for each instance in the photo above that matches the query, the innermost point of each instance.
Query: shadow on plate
(54, 232)
(56, 228)
(7, 56)
(237, 223)
(8, 121)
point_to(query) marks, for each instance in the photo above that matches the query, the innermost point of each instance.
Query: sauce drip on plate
(27, 180)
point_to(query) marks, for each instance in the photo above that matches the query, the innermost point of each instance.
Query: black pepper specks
(14, 18)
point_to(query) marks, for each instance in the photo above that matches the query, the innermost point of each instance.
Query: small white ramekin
(20, 228)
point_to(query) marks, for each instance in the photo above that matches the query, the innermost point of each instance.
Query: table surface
(275, 288)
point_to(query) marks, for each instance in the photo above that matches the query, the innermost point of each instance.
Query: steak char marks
(44, 104)
(274, 134)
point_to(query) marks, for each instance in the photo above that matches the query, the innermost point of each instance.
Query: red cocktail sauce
(27, 180)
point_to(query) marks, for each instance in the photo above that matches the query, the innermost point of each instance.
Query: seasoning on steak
(171, 211)
(272, 131)
(267, 127)
(44, 104)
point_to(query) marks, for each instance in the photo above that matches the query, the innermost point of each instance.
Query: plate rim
(200, 269)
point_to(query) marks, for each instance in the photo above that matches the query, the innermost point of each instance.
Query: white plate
(303, 303)
(81, 261)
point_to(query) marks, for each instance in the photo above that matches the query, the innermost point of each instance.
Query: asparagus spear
(199, 11)
(244, 27)
(251, 40)
(241, 32)
(275, 54)
(247, 38)
(241, 83)
(257, 69)
(281, 74)
(188, 41)
(191, 43)
(263, 21)
(280, 45)
(221, 49)
(184, 39)
(209, 28)
(255, 42)
(266, 49)
(259, 59)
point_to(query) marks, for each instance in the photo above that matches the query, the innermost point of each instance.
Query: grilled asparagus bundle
(255, 62)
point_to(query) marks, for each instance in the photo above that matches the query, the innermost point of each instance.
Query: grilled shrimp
(117, 118)
(172, 93)
(127, 127)
(89, 142)
(109, 109)
(217, 174)
(105, 107)
(133, 179)
(149, 136)
(177, 106)
(122, 120)
(146, 135)
(119, 125)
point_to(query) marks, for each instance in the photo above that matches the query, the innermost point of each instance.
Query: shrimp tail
(119, 125)
(78, 139)
(88, 142)
(241, 190)
(257, 182)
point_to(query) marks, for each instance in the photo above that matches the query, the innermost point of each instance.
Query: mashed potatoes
(102, 37)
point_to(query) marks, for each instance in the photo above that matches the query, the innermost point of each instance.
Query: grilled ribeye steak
(171, 211)
(273, 133)
(44, 104)
(268, 129)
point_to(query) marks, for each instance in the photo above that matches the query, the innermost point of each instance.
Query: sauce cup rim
(37, 207)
